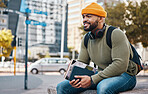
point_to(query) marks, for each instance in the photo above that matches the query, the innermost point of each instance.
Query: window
(74, 4)
(73, 21)
(62, 61)
(69, 0)
(74, 10)
(43, 61)
(74, 16)
(3, 21)
(52, 61)
(86, 1)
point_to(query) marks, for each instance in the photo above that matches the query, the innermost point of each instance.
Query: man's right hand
(75, 83)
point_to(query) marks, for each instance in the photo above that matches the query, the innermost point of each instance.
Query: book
(79, 71)
(78, 68)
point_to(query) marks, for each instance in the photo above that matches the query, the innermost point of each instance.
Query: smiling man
(116, 73)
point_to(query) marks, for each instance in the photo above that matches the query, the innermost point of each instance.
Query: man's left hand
(85, 81)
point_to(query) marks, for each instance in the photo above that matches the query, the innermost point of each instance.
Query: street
(37, 84)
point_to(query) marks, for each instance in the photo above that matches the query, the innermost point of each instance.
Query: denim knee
(58, 87)
(104, 89)
(61, 87)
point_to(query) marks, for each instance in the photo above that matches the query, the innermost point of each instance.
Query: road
(37, 84)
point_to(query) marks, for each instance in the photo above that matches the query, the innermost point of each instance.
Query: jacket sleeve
(120, 53)
(83, 55)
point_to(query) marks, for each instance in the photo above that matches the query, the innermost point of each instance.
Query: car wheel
(34, 71)
(62, 71)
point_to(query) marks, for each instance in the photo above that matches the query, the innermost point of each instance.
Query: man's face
(90, 22)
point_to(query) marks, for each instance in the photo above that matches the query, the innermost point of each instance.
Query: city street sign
(24, 8)
(33, 22)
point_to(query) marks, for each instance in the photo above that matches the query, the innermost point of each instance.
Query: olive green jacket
(110, 61)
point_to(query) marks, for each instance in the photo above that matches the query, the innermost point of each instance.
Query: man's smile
(86, 24)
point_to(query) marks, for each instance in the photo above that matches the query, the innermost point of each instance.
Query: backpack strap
(108, 36)
(86, 43)
(86, 40)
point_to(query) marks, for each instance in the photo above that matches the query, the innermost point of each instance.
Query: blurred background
(32, 30)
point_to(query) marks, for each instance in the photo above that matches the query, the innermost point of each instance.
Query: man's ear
(100, 19)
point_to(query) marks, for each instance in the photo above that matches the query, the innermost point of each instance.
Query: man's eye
(89, 16)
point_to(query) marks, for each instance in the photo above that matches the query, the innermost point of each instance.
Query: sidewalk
(39, 84)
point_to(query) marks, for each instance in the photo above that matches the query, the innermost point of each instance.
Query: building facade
(45, 27)
(3, 21)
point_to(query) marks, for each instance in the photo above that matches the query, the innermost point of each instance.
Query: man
(116, 73)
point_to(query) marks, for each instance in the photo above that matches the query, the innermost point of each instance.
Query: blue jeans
(112, 85)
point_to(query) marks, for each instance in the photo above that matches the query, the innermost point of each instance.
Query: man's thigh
(65, 88)
(116, 84)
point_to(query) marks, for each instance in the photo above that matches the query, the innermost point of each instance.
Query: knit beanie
(95, 9)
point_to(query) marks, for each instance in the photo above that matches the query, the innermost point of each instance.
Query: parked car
(49, 64)
(145, 65)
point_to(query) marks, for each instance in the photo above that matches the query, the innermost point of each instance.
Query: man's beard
(92, 26)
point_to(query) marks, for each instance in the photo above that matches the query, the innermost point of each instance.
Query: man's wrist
(91, 81)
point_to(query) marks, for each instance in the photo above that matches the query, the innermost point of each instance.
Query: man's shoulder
(118, 32)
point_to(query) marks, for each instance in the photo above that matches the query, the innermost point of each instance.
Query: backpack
(136, 57)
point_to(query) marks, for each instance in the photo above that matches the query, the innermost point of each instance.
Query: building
(13, 17)
(45, 26)
(3, 21)
(44, 33)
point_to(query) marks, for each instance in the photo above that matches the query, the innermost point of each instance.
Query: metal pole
(63, 29)
(14, 60)
(26, 52)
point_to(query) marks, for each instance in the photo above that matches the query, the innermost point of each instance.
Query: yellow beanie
(95, 9)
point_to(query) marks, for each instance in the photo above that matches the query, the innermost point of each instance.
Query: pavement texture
(15, 84)
(37, 84)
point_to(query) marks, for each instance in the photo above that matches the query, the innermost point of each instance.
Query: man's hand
(84, 83)
(75, 83)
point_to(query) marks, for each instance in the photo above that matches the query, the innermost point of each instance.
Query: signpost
(24, 8)
(25, 12)
(26, 51)
(33, 22)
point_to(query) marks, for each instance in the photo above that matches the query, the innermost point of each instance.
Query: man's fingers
(76, 82)
(78, 85)
(79, 76)
(82, 81)
(71, 82)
